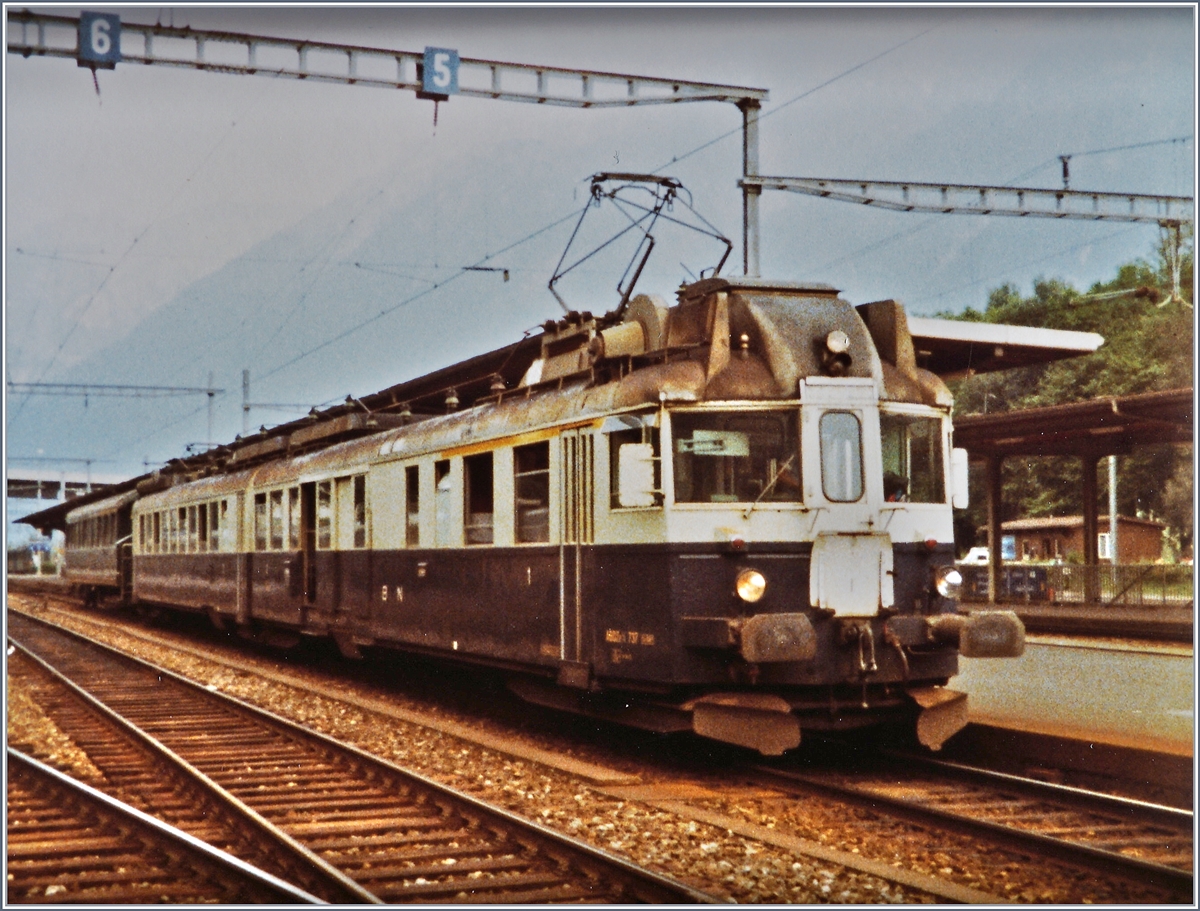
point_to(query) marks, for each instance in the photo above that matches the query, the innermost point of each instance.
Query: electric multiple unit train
(730, 516)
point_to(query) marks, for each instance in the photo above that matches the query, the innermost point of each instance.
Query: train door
(840, 442)
(241, 549)
(308, 543)
(577, 525)
(301, 538)
(125, 568)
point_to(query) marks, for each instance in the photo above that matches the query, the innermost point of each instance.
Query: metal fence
(1138, 585)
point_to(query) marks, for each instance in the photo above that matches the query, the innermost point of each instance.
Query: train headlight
(948, 581)
(751, 585)
(835, 354)
(837, 342)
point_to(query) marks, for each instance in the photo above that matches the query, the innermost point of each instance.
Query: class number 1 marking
(439, 75)
(99, 40)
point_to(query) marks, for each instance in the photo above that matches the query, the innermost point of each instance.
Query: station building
(1058, 538)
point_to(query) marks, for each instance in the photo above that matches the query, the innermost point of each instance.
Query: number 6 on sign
(439, 74)
(99, 40)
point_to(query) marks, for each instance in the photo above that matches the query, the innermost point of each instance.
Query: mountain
(362, 294)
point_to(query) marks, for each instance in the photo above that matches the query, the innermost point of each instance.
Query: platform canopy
(952, 348)
(1111, 425)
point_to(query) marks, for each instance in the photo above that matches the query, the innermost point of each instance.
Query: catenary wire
(675, 159)
(1033, 262)
(387, 310)
(775, 110)
(184, 185)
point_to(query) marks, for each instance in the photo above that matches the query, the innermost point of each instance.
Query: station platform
(1125, 693)
(1155, 623)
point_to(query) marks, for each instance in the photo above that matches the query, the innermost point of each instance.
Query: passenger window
(736, 457)
(443, 507)
(181, 531)
(360, 510)
(202, 525)
(412, 506)
(478, 497)
(214, 527)
(276, 507)
(325, 515)
(531, 486)
(157, 533)
(641, 435)
(841, 456)
(913, 462)
(192, 529)
(293, 518)
(260, 521)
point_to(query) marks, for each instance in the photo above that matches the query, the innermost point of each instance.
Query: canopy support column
(1091, 527)
(994, 462)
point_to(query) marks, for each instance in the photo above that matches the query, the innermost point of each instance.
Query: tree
(1146, 319)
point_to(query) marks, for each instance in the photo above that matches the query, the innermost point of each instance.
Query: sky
(162, 224)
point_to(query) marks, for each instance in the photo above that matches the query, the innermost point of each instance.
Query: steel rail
(69, 842)
(1066, 845)
(400, 835)
(1095, 801)
(272, 847)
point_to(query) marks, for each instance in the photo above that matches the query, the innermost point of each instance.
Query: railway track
(781, 830)
(69, 843)
(394, 836)
(1141, 841)
(140, 772)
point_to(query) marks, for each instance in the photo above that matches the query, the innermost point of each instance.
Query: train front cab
(808, 587)
(729, 567)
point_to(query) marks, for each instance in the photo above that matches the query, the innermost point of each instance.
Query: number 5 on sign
(99, 40)
(439, 75)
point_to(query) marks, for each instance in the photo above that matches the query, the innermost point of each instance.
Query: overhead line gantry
(41, 35)
(35, 34)
(977, 199)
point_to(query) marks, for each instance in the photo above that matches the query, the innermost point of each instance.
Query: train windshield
(736, 456)
(913, 463)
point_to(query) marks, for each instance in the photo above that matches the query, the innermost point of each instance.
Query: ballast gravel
(707, 857)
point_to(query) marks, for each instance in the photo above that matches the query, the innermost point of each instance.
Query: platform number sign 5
(99, 40)
(439, 74)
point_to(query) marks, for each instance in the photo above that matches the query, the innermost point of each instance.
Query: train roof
(101, 507)
(54, 518)
(728, 338)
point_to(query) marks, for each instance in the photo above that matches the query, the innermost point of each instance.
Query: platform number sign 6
(99, 40)
(439, 74)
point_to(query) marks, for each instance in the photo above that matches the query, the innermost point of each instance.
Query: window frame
(790, 410)
(860, 473)
(479, 489)
(522, 480)
(943, 436)
(412, 505)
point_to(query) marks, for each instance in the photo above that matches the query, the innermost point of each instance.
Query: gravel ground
(705, 856)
